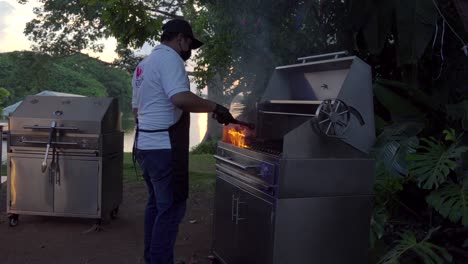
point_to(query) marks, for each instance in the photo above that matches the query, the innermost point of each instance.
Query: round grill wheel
(333, 117)
(13, 220)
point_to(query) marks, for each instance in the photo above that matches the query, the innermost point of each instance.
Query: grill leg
(114, 213)
(13, 220)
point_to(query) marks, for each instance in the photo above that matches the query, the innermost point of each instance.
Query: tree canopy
(25, 73)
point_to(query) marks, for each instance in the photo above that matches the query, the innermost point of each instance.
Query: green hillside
(24, 73)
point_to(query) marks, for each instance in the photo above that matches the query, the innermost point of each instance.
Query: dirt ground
(54, 240)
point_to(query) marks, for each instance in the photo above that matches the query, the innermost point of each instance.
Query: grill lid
(294, 93)
(90, 115)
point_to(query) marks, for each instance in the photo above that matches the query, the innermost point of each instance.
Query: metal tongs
(51, 134)
(242, 123)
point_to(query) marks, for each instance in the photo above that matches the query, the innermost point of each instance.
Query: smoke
(5, 10)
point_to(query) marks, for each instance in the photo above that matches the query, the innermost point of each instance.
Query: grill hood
(90, 115)
(302, 88)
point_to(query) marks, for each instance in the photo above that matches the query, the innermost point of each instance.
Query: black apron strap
(135, 142)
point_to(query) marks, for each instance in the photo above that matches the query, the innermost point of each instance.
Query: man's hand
(222, 115)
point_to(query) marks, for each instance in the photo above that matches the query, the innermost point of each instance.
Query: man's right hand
(222, 115)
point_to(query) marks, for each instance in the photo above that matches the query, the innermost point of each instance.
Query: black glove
(222, 115)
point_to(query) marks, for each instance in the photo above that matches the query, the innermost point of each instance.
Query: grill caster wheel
(13, 220)
(114, 213)
(213, 260)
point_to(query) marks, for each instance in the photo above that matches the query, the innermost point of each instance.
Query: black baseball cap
(182, 26)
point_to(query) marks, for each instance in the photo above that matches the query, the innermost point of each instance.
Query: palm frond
(394, 144)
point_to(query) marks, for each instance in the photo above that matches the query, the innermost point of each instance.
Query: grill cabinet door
(254, 227)
(76, 188)
(224, 237)
(242, 223)
(30, 189)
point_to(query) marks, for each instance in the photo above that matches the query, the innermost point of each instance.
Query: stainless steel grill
(65, 157)
(301, 190)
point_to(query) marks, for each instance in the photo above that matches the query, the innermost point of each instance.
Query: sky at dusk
(13, 18)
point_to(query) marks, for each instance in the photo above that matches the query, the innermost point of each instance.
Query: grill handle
(236, 164)
(52, 142)
(48, 127)
(334, 54)
(51, 134)
(286, 113)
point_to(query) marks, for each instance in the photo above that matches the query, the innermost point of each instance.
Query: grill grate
(272, 148)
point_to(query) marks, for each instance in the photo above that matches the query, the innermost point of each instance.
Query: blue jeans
(162, 215)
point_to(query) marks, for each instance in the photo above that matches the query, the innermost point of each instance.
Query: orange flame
(235, 136)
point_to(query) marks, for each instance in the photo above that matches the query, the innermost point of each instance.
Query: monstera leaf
(451, 201)
(426, 251)
(431, 166)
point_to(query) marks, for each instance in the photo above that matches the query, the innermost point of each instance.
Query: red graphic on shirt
(139, 72)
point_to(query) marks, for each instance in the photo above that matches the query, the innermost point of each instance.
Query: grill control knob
(265, 171)
(84, 143)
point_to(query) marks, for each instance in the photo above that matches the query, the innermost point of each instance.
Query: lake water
(198, 124)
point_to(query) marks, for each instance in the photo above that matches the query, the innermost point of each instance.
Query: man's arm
(135, 113)
(190, 102)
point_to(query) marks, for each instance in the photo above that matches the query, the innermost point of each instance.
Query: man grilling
(162, 102)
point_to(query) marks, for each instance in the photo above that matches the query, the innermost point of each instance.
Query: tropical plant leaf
(394, 144)
(399, 106)
(451, 201)
(417, 94)
(426, 251)
(450, 135)
(378, 220)
(431, 166)
(390, 151)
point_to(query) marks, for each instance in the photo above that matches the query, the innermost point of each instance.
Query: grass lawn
(201, 171)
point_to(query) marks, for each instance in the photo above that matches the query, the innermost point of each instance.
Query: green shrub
(207, 147)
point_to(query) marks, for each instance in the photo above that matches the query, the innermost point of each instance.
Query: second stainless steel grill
(65, 157)
(300, 190)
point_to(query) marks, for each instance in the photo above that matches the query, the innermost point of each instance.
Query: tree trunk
(215, 93)
(462, 8)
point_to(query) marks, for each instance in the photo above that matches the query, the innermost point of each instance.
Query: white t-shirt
(156, 79)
